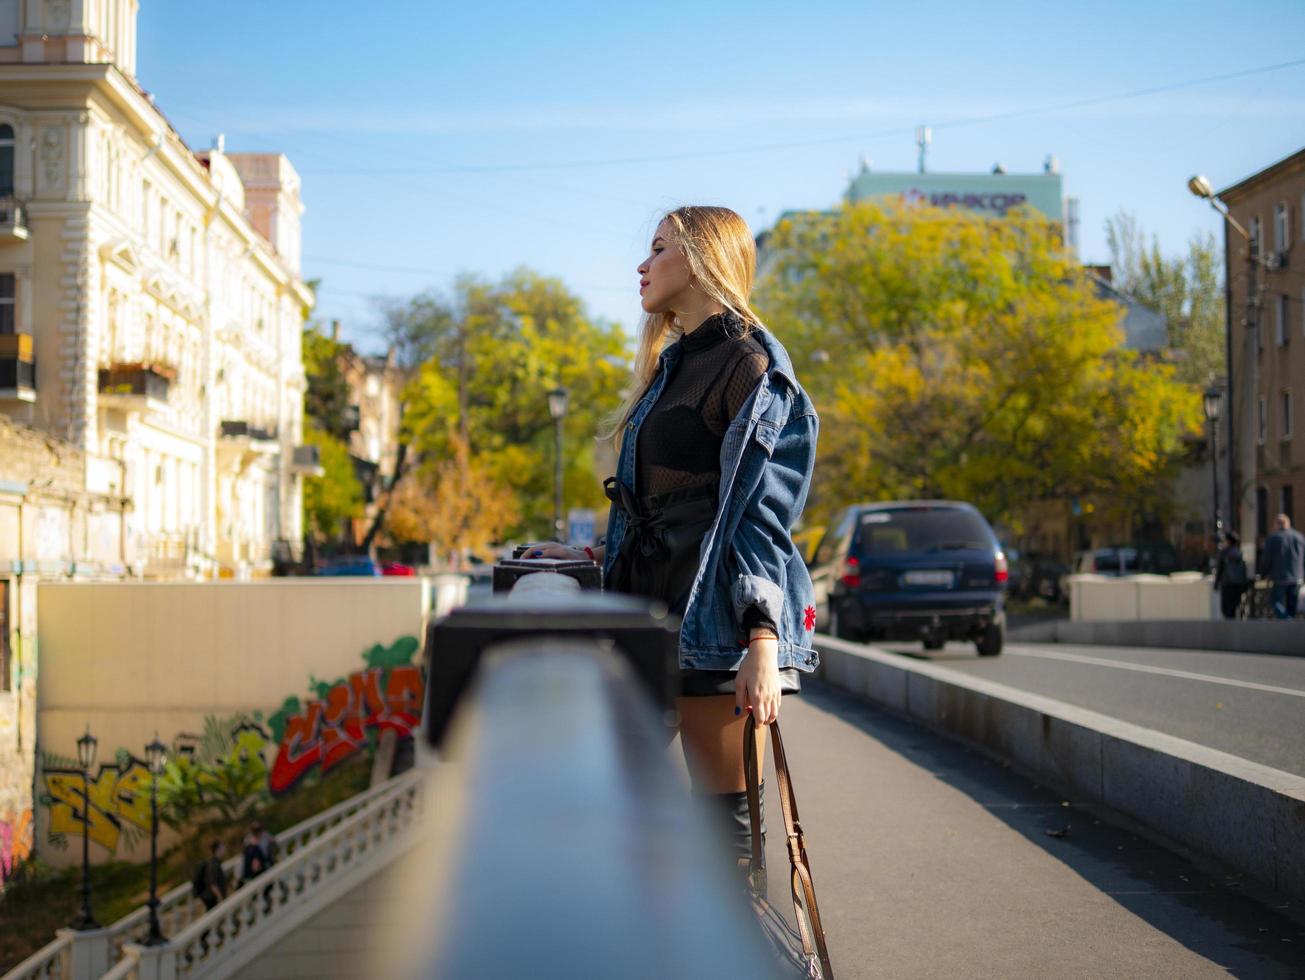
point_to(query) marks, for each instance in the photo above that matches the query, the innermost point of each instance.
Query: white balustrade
(178, 908)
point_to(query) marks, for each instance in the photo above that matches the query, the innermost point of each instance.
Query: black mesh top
(680, 439)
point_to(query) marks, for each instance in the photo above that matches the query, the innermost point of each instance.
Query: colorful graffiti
(225, 768)
(15, 843)
(116, 796)
(339, 722)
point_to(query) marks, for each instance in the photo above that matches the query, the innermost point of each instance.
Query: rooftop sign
(990, 193)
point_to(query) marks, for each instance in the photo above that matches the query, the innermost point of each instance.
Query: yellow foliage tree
(957, 356)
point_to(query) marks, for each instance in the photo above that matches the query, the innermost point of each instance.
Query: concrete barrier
(1243, 813)
(1183, 595)
(1284, 639)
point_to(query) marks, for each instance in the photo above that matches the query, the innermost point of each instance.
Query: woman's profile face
(664, 278)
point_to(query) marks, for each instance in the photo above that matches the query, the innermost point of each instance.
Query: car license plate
(928, 578)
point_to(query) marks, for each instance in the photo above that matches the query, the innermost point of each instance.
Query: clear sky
(436, 137)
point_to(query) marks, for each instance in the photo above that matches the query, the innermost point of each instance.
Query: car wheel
(935, 643)
(991, 642)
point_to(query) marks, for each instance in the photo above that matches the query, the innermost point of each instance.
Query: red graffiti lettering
(332, 729)
(300, 749)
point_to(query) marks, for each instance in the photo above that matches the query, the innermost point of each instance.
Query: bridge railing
(560, 841)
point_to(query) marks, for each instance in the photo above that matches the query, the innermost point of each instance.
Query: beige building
(151, 377)
(1267, 363)
(152, 299)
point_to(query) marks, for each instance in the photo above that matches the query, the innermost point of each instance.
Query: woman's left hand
(756, 688)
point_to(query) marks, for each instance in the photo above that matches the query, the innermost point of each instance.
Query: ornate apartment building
(151, 304)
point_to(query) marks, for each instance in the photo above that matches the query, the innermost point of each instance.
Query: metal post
(155, 936)
(558, 529)
(1214, 474)
(85, 919)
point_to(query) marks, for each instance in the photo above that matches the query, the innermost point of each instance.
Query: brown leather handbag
(814, 956)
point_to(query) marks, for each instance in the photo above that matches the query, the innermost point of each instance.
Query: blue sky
(438, 138)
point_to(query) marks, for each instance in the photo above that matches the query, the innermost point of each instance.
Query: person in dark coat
(212, 883)
(1230, 576)
(1284, 566)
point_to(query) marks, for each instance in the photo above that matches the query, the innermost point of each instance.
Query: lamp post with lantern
(1212, 402)
(156, 756)
(85, 759)
(557, 404)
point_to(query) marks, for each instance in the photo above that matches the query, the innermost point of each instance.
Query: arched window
(6, 160)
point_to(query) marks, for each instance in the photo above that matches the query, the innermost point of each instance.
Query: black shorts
(711, 683)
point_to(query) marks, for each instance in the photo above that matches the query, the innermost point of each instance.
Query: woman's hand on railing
(552, 549)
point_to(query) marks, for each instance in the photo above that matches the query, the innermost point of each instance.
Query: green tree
(476, 411)
(1186, 290)
(337, 494)
(956, 356)
(328, 399)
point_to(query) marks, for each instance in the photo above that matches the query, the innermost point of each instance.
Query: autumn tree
(476, 412)
(1185, 289)
(952, 355)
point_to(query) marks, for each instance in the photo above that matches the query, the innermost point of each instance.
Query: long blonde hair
(722, 259)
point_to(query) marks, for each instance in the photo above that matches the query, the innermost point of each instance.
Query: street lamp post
(557, 402)
(1213, 402)
(156, 755)
(86, 758)
(1244, 404)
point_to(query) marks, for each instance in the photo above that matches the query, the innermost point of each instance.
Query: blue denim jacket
(747, 556)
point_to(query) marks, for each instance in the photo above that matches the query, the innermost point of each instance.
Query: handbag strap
(801, 884)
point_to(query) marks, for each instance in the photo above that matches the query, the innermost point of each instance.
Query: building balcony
(13, 220)
(242, 429)
(135, 387)
(307, 461)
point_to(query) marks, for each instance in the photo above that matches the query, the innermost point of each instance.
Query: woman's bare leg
(711, 735)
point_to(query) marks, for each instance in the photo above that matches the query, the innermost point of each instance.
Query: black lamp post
(557, 402)
(86, 758)
(156, 755)
(1213, 403)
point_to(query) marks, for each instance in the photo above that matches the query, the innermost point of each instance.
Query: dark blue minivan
(929, 570)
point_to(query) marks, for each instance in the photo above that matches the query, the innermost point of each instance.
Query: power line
(826, 141)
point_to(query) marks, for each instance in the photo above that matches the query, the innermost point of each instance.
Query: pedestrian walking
(1284, 566)
(1230, 575)
(716, 445)
(209, 883)
(265, 841)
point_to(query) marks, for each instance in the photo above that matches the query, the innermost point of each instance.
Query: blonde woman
(717, 443)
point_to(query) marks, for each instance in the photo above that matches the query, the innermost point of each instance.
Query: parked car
(397, 568)
(348, 565)
(929, 570)
(1115, 561)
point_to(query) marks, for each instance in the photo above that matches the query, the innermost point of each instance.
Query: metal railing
(561, 842)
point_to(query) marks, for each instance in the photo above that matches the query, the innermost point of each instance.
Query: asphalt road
(932, 860)
(1249, 705)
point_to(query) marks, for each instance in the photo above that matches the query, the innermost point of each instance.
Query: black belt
(658, 554)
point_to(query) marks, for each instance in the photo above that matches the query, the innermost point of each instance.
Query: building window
(1264, 422)
(7, 302)
(1280, 326)
(1280, 232)
(1261, 513)
(1284, 421)
(1254, 236)
(1284, 503)
(6, 160)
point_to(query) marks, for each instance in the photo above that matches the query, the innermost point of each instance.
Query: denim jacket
(747, 556)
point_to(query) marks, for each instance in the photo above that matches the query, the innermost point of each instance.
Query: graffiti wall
(17, 729)
(236, 761)
(256, 686)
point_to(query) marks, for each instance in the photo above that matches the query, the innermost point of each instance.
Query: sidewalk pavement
(933, 860)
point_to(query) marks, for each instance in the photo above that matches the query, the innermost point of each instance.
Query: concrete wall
(1184, 595)
(299, 673)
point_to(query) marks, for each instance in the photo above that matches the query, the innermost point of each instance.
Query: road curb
(1228, 636)
(1245, 814)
